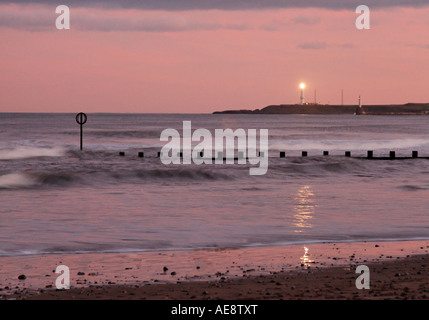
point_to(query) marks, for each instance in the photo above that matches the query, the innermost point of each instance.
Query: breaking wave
(66, 178)
(143, 133)
(28, 180)
(311, 144)
(30, 152)
(16, 181)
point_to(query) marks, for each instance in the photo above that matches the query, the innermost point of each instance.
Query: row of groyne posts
(81, 119)
(348, 154)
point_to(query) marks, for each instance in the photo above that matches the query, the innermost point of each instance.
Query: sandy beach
(398, 270)
(398, 280)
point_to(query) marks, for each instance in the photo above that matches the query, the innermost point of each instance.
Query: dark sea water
(55, 198)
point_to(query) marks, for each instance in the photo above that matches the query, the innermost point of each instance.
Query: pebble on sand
(22, 277)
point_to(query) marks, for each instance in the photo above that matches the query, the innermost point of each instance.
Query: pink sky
(203, 61)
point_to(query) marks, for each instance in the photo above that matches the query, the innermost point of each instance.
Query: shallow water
(55, 198)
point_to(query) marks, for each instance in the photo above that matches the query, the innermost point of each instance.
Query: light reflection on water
(304, 209)
(305, 259)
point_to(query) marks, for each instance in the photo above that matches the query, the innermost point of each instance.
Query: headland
(311, 108)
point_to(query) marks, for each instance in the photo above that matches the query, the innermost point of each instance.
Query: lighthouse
(302, 87)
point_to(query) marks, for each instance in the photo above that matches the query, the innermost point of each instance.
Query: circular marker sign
(81, 118)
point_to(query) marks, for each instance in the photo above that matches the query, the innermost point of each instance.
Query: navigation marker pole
(81, 119)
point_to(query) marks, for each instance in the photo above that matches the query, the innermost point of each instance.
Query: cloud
(26, 18)
(316, 45)
(345, 45)
(148, 24)
(43, 19)
(306, 20)
(276, 25)
(420, 46)
(313, 45)
(225, 4)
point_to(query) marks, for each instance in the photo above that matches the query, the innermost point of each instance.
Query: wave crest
(17, 181)
(30, 152)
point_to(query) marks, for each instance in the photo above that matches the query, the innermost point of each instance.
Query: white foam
(16, 180)
(304, 144)
(30, 152)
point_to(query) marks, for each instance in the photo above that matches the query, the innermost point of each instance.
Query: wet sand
(398, 270)
(402, 279)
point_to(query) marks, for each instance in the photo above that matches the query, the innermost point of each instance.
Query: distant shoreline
(403, 109)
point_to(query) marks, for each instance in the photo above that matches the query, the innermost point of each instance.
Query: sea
(55, 198)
